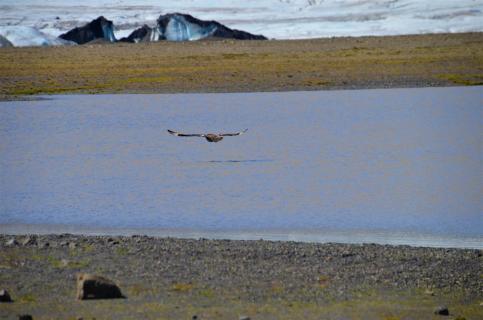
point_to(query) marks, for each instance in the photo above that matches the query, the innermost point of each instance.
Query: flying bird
(210, 137)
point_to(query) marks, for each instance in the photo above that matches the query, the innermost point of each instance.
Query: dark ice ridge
(171, 27)
(100, 28)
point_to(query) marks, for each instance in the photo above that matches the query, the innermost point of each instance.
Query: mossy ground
(224, 303)
(242, 66)
(216, 279)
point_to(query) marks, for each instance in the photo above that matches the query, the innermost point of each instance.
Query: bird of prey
(210, 137)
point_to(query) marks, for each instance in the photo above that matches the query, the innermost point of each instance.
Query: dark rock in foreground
(100, 28)
(441, 310)
(4, 296)
(184, 27)
(96, 287)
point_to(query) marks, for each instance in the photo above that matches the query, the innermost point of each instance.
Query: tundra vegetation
(244, 66)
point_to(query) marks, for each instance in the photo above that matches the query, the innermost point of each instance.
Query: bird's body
(210, 137)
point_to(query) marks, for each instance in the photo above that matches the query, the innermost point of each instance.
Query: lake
(399, 166)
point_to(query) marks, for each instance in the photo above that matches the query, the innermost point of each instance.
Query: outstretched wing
(178, 134)
(233, 134)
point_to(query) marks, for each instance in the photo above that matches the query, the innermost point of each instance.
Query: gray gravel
(253, 271)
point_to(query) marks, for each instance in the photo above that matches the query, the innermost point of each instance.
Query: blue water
(394, 160)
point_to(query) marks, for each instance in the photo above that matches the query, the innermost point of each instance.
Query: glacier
(184, 27)
(21, 36)
(276, 19)
(171, 27)
(179, 28)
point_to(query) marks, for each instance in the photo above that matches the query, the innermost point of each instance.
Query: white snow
(280, 19)
(21, 36)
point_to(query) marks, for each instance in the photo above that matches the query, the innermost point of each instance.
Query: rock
(53, 244)
(244, 318)
(64, 263)
(12, 242)
(4, 296)
(100, 28)
(29, 241)
(96, 287)
(44, 245)
(72, 245)
(441, 310)
(429, 292)
(112, 241)
(25, 317)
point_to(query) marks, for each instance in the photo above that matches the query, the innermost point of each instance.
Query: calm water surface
(396, 161)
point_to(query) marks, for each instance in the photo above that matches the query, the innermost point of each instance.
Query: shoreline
(319, 236)
(244, 66)
(225, 279)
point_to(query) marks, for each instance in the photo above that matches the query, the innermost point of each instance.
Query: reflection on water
(395, 160)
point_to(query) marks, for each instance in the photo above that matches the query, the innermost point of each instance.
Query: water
(362, 165)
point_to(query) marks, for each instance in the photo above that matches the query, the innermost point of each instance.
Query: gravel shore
(168, 278)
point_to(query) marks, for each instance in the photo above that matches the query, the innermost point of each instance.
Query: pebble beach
(168, 278)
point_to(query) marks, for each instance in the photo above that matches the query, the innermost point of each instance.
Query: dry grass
(236, 66)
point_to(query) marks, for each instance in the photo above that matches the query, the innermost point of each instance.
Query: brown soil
(244, 66)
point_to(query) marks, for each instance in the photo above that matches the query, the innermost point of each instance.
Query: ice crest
(179, 29)
(185, 27)
(99, 29)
